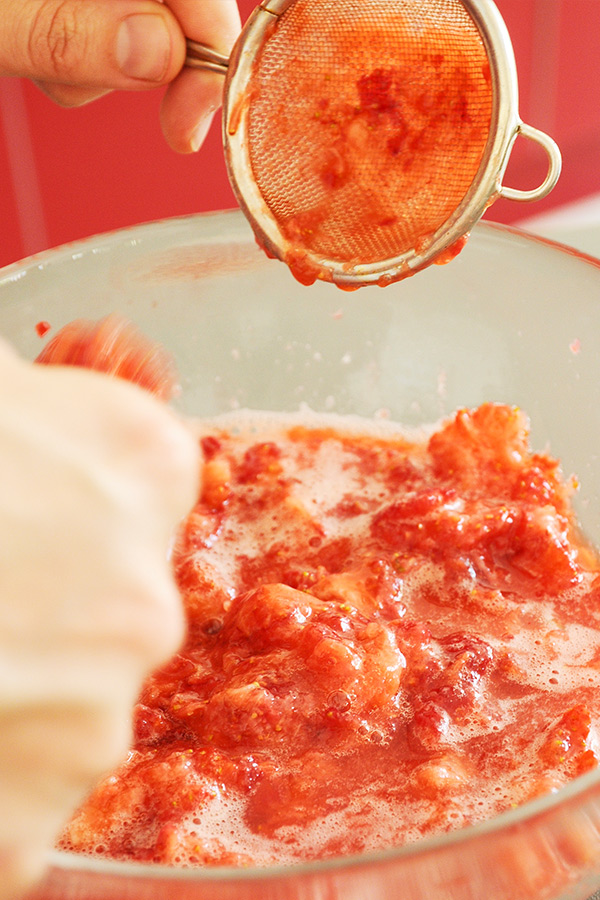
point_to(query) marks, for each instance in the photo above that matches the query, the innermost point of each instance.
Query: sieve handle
(200, 56)
(554, 167)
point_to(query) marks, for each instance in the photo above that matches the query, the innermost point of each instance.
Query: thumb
(109, 44)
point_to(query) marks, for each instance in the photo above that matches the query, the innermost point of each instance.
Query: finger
(213, 22)
(193, 98)
(188, 108)
(7, 351)
(69, 95)
(120, 44)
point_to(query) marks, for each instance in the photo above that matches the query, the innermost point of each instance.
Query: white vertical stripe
(543, 100)
(14, 122)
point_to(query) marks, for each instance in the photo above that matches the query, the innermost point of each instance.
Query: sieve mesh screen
(367, 123)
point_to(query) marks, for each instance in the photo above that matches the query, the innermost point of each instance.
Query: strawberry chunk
(115, 346)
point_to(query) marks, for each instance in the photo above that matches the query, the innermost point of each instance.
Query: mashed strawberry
(389, 637)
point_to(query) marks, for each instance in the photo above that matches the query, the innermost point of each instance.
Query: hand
(77, 50)
(94, 476)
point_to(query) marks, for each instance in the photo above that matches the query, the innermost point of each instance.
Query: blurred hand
(77, 50)
(94, 476)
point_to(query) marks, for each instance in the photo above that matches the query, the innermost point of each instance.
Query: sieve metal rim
(506, 126)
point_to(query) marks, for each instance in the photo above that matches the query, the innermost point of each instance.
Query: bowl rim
(132, 234)
(520, 816)
(70, 862)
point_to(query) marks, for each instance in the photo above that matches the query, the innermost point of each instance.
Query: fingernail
(143, 47)
(199, 134)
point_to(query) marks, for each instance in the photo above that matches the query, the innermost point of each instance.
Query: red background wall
(66, 174)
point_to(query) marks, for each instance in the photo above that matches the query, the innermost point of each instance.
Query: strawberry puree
(390, 636)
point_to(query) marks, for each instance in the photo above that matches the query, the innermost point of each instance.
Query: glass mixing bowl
(513, 319)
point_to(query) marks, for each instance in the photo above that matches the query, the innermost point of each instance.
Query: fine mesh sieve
(364, 138)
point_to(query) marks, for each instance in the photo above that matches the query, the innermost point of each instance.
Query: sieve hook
(554, 167)
(200, 56)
